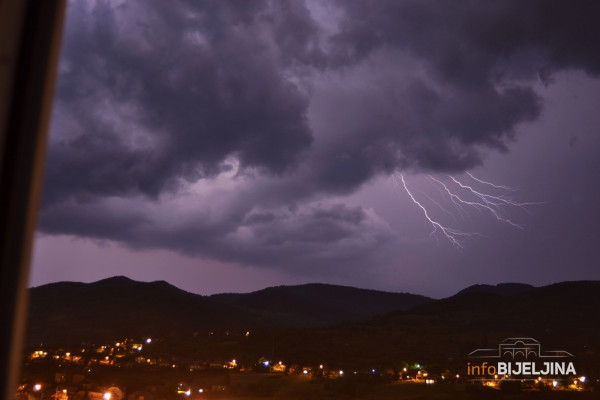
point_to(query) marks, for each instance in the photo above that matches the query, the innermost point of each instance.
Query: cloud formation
(223, 129)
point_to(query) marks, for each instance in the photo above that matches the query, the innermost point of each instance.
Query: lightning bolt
(436, 203)
(464, 197)
(492, 201)
(486, 205)
(454, 236)
(491, 184)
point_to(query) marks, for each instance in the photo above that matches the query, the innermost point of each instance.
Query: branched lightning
(492, 201)
(487, 205)
(451, 234)
(436, 203)
(464, 197)
(491, 184)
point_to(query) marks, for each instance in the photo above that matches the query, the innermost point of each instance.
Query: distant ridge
(120, 306)
(570, 300)
(321, 303)
(115, 307)
(316, 323)
(501, 289)
(443, 332)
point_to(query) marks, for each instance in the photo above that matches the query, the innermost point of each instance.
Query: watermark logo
(520, 359)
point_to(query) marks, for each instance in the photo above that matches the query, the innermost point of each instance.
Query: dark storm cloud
(156, 97)
(474, 42)
(193, 82)
(481, 58)
(296, 240)
(414, 126)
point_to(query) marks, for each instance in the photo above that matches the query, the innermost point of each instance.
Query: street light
(106, 396)
(37, 387)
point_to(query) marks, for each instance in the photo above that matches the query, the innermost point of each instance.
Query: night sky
(229, 146)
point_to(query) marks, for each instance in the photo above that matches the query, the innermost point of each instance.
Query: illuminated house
(279, 367)
(421, 375)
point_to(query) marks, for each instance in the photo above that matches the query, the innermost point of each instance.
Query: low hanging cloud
(220, 129)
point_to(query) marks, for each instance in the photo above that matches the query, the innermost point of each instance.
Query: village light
(341, 373)
(106, 396)
(148, 340)
(582, 379)
(37, 387)
(266, 363)
(555, 383)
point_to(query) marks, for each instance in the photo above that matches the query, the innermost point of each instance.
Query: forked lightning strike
(492, 201)
(491, 207)
(437, 204)
(491, 184)
(493, 204)
(451, 234)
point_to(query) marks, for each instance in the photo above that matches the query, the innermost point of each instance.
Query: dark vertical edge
(21, 173)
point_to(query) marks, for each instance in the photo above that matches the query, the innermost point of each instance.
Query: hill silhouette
(502, 289)
(442, 332)
(70, 312)
(314, 324)
(318, 303)
(73, 312)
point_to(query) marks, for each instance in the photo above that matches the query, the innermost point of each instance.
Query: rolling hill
(320, 304)
(313, 324)
(71, 312)
(502, 289)
(441, 333)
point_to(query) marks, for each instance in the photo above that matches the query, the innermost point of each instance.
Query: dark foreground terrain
(307, 341)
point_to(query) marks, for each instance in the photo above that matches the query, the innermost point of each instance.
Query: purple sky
(232, 146)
